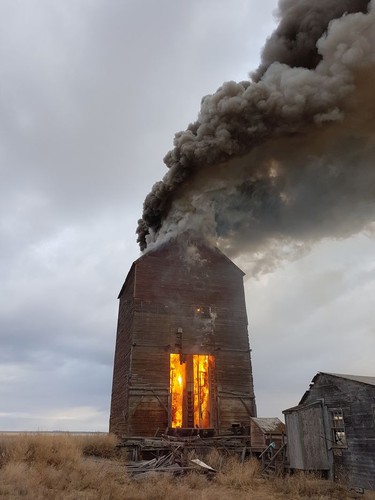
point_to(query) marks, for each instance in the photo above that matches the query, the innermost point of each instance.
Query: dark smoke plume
(274, 164)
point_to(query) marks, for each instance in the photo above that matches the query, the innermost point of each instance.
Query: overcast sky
(91, 94)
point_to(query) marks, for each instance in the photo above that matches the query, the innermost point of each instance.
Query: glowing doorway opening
(178, 382)
(191, 392)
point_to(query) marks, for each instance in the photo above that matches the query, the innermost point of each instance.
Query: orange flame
(197, 375)
(202, 416)
(177, 380)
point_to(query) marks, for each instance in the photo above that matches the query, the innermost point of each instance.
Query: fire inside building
(182, 358)
(183, 368)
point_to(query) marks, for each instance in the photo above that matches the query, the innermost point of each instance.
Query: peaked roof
(269, 424)
(362, 379)
(174, 242)
(355, 378)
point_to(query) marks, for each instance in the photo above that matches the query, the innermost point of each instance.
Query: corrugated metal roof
(269, 424)
(355, 378)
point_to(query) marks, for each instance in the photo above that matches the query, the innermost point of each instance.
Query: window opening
(338, 428)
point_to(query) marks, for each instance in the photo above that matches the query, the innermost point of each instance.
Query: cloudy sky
(91, 94)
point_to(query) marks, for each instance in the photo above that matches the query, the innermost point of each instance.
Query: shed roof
(269, 424)
(355, 378)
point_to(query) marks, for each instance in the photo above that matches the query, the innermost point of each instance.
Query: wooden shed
(264, 431)
(182, 358)
(333, 429)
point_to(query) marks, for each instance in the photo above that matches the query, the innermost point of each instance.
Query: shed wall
(258, 438)
(354, 463)
(307, 449)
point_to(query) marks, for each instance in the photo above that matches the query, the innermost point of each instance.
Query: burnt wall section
(184, 306)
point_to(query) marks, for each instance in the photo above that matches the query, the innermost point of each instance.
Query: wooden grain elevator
(182, 358)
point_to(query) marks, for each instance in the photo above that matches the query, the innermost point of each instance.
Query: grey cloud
(312, 315)
(90, 95)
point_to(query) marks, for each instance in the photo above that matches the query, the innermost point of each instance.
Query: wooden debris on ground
(138, 448)
(168, 463)
(198, 462)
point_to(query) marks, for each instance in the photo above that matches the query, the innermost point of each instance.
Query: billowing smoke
(275, 164)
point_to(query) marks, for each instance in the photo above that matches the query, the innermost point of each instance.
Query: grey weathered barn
(333, 429)
(182, 356)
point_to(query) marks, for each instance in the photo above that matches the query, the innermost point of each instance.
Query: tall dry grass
(53, 466)
(70, 467)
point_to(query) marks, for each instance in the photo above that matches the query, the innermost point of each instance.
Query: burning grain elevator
(182, 358)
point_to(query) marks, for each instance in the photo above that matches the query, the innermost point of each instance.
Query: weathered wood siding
(257, 436)
(167, 290)
(354, 463)
(266, 430)
(307, 449)
(122, 360)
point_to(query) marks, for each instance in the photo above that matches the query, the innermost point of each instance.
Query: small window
(203, 312)
(338, 428)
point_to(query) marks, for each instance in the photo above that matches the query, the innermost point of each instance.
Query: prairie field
(70, 467)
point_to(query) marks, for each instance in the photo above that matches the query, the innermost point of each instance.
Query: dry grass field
(70, 467)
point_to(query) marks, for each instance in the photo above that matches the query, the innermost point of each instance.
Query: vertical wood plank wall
(160, 296)
(355, 462)
(122, 360)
